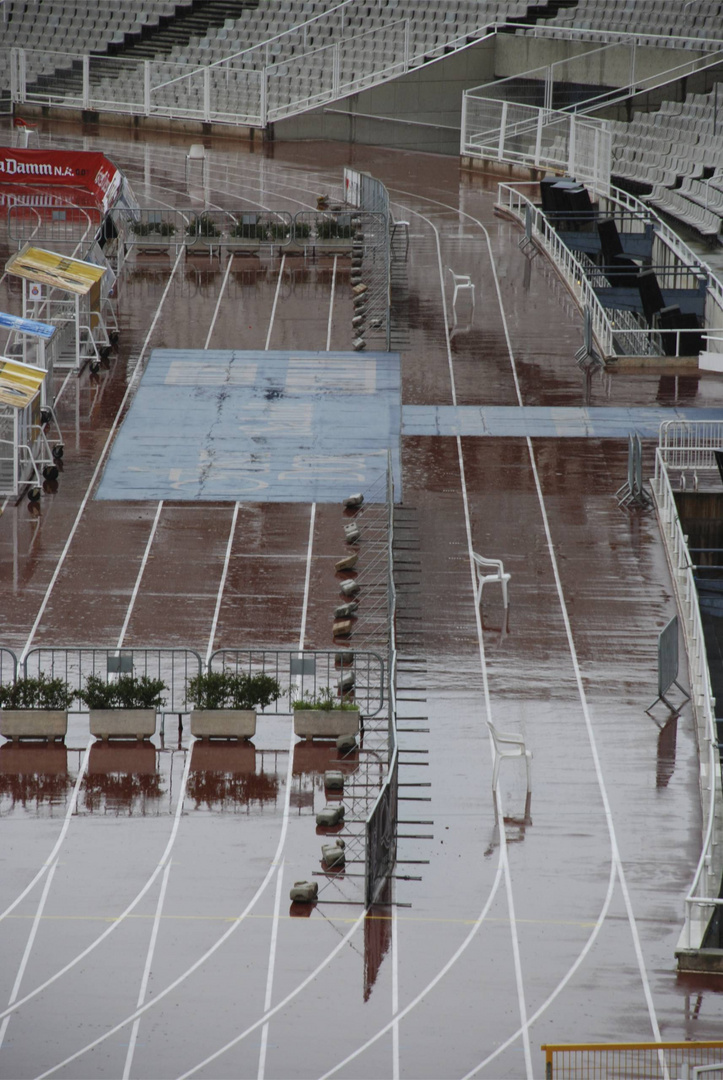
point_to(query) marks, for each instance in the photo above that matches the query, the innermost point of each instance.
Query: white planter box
(33, 723)
(325, 723)
(123, 723)
(223, 723)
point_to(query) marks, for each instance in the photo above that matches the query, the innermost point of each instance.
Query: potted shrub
(153, 228)
(204, 228)
(35, 708)
(302, 230)
(331, 229)
(225, 703)
(279, 230)
(322, 716)
(124, 709)
(248, 230)
(157, 233)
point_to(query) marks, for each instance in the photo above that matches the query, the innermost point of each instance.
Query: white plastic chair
(24, 131)
(461, 281)
(497, 575)
(197, 152)
(508, 745)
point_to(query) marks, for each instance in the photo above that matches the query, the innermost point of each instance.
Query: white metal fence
(536, 137)
(619, 333)
(274, 79)
(689, 446)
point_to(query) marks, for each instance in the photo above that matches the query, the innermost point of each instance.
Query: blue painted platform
(258, 426)
(515, 421)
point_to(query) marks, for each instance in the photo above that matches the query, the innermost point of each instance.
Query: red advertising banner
(62, 168)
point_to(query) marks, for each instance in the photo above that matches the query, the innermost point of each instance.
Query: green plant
(36, 693)
(145, 228)
(224, 690)
(327, 230)
(302, 230)
(324, 698)
(204, 226)
(127, 692)
(279, 230)
(248, 230)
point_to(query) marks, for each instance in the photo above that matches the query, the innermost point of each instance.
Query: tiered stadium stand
(677, 22)
(320, 23)
(678, 151)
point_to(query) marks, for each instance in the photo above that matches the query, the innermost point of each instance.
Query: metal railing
(305, 674)
(381, 823)
(642, 1060)
(688, 445)
(8, 665)
(557, 85)
(615, 333)
(536, 137)
(73, 664)
(702, 896)
(72, 225)
(277, 78)
(546, 236)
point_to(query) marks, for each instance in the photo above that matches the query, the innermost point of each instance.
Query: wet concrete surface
(247, 830)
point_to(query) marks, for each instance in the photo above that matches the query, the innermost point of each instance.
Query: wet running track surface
(145, 925)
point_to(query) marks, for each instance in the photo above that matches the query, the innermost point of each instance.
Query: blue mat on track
(258, 427)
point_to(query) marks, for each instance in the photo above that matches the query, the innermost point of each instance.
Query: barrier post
(147, 87)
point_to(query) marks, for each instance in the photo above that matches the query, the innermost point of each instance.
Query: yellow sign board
(55, 270)
(19, 383)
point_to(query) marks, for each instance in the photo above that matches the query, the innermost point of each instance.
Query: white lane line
(136, 587)
(331, 304)
(276, 300)
(218, 302)
(307, 578)
(56, 847)
(281, 1005)
(614, 871)
(429, 987)
(124, 914)
(219, 597)
(270, 973)
(580, 687)
(519, 979)
(502, 859)
(277, 902)
(147, 970)
(28, 947)
(182, 796)
(162, 994)
(563, 982)
(395, 994)
(101, 461)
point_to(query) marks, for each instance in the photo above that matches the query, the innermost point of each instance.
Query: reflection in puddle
(122, 780)
(223, 776)
(311, 761)
(34, 776)
(515, 827)
(377, 937)
(666, 752)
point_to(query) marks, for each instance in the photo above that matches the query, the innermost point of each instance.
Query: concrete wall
(515, 55)
(418, 111)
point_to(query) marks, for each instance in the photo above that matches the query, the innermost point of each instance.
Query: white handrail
(575, 276)
(703, 702)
